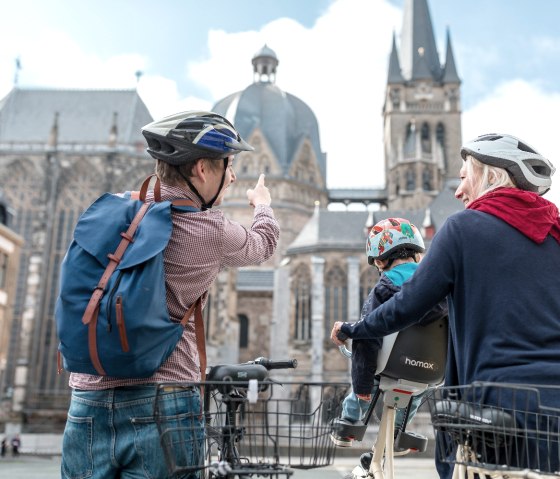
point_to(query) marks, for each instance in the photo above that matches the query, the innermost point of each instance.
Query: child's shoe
(338, 436)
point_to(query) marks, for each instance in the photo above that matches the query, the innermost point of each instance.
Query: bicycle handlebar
(341, 336)
(343, 349)
(270, 364)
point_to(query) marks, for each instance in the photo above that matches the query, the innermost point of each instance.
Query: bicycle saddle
(487, 423)
(238, 373)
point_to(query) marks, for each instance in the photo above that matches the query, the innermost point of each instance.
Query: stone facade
(10, 251)
(282, 309)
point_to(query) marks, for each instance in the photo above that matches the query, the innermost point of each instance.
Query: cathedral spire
(450, 71)
(419, 56)
(395, 75)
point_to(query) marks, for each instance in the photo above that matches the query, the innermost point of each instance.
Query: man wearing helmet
(393, 246)
(194, 152)
(497, 262)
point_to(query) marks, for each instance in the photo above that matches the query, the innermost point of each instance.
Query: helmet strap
(211, 202)
(207, 205)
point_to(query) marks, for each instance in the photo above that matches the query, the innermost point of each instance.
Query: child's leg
(415, 403)
(351, 408)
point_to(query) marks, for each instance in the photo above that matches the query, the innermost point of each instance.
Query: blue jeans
(112, 433)
(354, 408)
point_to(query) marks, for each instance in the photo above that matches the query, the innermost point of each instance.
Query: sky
(333, 55)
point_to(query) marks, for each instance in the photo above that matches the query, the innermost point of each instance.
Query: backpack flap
(97, 231)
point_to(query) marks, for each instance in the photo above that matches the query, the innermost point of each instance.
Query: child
(394, 246)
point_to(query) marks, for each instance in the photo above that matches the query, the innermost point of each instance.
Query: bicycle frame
(397, 394)
(461, 471)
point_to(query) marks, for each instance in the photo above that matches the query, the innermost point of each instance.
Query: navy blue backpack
(111, 314)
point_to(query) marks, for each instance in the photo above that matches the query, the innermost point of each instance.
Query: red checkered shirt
(201, 245)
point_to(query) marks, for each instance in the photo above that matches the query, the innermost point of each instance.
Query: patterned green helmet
(390, 235)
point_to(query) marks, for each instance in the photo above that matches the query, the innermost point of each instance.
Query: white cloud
(51, 58)
(338, 67)
(524, 110)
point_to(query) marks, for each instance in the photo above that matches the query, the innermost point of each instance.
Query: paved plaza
(33, 467)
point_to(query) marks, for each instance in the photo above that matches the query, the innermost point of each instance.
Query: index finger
(261, 180)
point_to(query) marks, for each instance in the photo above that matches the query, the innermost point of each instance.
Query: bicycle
(410, 362)
(249, 425)
(498, 430)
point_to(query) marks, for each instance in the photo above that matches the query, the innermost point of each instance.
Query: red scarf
(526, 211)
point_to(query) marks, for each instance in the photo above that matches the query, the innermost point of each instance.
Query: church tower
(421, 114)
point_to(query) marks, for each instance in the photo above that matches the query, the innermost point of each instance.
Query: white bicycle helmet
(529, 169)
(390, 235)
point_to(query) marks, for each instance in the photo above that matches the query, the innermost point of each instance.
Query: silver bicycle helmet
(529, 169)
(190, 135)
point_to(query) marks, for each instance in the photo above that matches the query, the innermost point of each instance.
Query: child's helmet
(190, 135)
(390, 235)
(528, 168)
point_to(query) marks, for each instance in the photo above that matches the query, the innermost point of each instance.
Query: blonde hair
(487, 178)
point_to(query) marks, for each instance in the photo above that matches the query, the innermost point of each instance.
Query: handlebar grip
(341, 336)
(283, 364)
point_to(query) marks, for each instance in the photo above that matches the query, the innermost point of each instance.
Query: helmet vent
(522, 146)
(538, 168)
(490, 137)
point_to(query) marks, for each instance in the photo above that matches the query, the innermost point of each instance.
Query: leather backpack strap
(90, 315)
(141, 195)
(146, 185)
(199, 334)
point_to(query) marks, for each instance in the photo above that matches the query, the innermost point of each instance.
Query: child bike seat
(417, 353)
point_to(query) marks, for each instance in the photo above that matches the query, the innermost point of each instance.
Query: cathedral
(60, 149)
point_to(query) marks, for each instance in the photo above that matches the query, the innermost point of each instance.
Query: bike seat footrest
(411, 440)
(355, 431)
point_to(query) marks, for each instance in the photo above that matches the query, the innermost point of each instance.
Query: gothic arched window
(410, 179)
(440, 138)
(336, 298)
(427, 179)
(425, 138)
(440, 134)
(368, 280)
(301, 292)
(243, 331)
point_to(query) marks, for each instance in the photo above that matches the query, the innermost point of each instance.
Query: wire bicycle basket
(286, 426)
(498, 427)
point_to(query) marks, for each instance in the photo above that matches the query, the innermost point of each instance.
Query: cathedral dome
(284, 120)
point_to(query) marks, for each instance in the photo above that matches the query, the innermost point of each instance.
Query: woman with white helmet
(498, 263)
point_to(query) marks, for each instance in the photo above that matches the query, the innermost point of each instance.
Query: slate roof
(346, 230)
(394, 75)
(450, 71)
(249, 279)
(445, 204)
(284, 120)
(85, 116)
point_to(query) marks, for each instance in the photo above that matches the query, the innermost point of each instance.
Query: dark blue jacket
(504, 292)
(364, 351)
